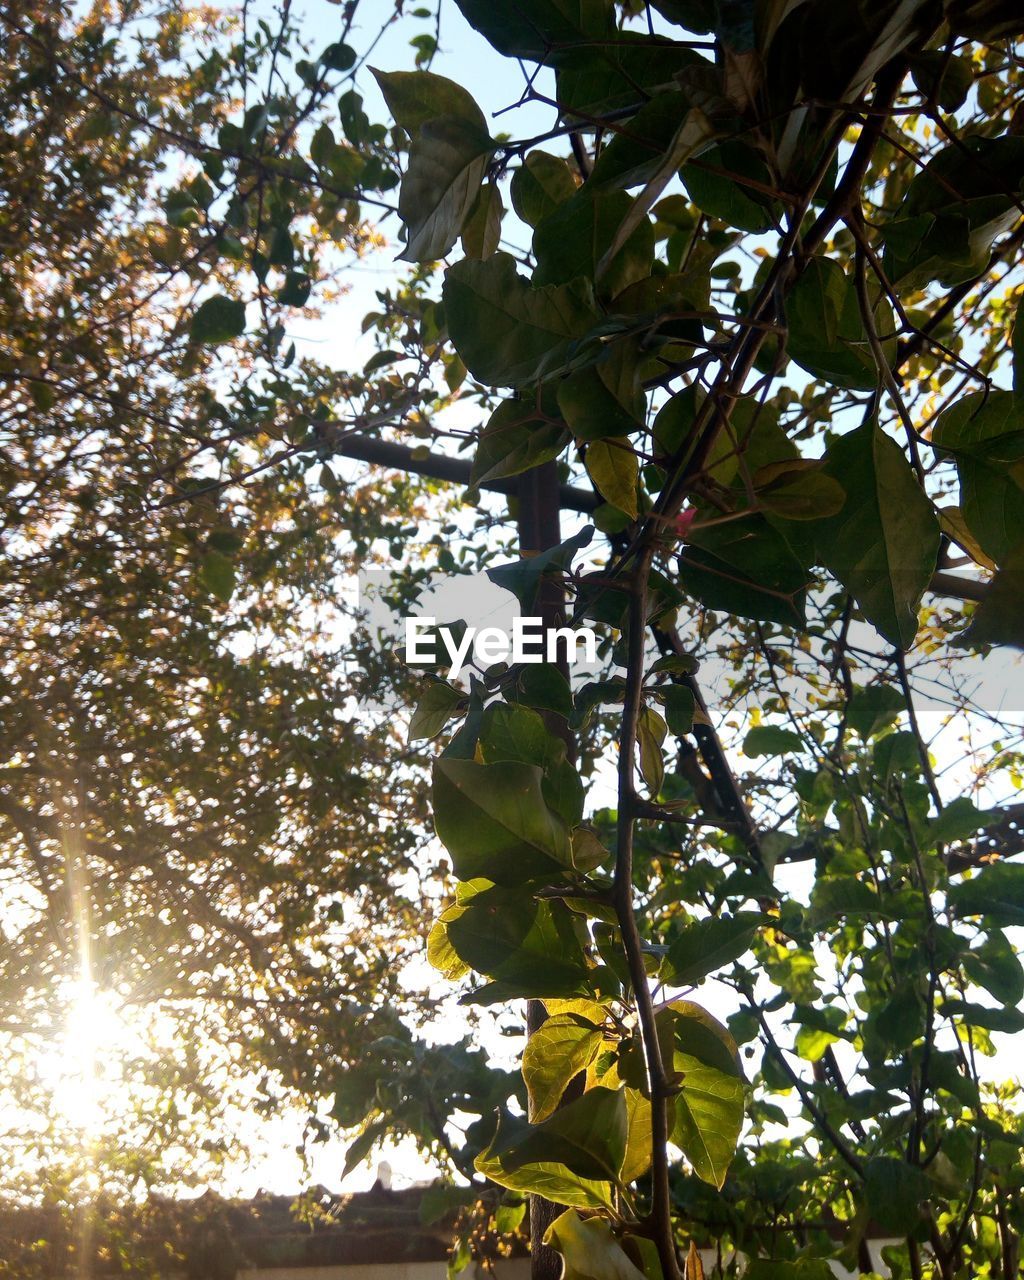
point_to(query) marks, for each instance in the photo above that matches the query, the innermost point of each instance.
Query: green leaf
(874, 709)
(895, 754)
(493, 821)
(709, 1104)
(999, 618)
(995, 966)
(670, 306)
(542, 685)
(508, 1217)
(363, 1145)
(960, 820)
(532, 28)
(481, 232)
(797, 1269)
(898, 1022)
(680, 706)
(986, 20)
(615, 471)
(634, 155)
(745, 567)
(941, 79)
(673, 425)
(416, 97)
(940, 237)
(884, 544)
(836, 898)
(448, 160)
(588, 853)
(519, 435)
(651, 732)
(985, 435)
(1009, 1021)
(218, 319)
(1017, 348)
(826, 334)
(605, 78)
(441, 955)
(708, 945)
(530, 948)
(841, 47)
(577, 235)
(698, 16)
(217, 573)
(540, 184)
(996, 892)
(589, 1250)
(752, 444)
(715, 185)
(556, 1053)
(552, 1181)
(338, 57)
(798, 490)
(439, 1199)
(596, 695)
(523, 577)
(517, 733)
(638, 1148)
(508, 333)
(587, 1138)
(435, 708)
(295, 290)
(772, 740)
(692, 136)
(895, 1192)
(818, 1028)
(605, 400)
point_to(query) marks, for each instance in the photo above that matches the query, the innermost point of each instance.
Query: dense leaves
(739, 309)
(753, 303)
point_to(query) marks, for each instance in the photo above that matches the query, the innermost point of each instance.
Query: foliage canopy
(753, 292)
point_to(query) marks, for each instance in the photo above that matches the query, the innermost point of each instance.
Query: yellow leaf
(694, 1266)
(613, 467)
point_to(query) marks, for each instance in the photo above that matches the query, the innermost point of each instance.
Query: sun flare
(76, 1069)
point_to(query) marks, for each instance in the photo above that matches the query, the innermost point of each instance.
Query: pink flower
(681, 524)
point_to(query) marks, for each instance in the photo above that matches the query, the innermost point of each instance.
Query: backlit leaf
(415, 97)
(615, 471)
(708, 945)
(447, 162)
(589, 1250)
(493, 821)
(555, 1053)
(883, 544)
(507, 332)
(218, 319)
(587, 1137)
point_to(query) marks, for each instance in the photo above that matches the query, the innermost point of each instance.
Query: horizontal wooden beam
(439, 466)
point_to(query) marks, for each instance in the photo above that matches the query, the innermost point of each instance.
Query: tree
(783, 376)
(211, 863)
(771, 254)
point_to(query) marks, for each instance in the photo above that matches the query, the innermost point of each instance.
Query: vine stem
(622, 893)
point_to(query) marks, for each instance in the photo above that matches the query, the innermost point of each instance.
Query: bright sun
(77, 1069)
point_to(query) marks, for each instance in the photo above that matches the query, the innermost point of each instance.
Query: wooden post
(540, 527)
